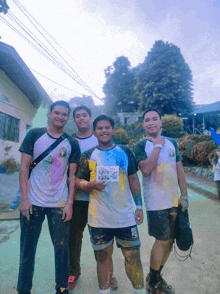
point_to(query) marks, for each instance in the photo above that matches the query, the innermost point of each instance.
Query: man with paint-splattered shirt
(159, 160)
(109, 173)
(46, 194)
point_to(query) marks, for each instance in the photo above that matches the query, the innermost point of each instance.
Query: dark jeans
(30, 232)
(77, 226)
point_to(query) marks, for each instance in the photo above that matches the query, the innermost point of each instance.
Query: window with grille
(9, 127)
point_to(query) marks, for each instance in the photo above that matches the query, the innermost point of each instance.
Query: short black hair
(103, 117)
(82, 107)
(152, 109)
(60, 103)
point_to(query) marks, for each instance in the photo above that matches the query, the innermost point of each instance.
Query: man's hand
(158, 139)
(99, 185)
(67, 212)
(139, 217)
(26, 208)
(184, 204)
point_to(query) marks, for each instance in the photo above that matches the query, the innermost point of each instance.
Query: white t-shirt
(112, 207)
(85, 144)
(48, 180)
(160, 187)
(217, 172)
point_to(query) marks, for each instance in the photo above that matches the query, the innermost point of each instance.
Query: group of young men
(88, 178)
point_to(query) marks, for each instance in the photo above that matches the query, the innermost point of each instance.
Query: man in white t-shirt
(109, 173)
(46, 194)
(159, 160)
(82, 118)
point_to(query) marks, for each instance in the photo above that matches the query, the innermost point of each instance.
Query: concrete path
(199, 275)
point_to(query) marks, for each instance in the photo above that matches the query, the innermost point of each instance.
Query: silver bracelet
(139, 207)
(158, 145)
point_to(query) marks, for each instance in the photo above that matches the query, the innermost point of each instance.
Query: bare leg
(133, 267)
(104, 267)
(160, 253)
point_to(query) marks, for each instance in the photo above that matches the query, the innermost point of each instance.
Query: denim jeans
(17, 200)
(30, 232)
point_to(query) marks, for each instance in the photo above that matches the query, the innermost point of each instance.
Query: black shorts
(161, 223)
(217, 184)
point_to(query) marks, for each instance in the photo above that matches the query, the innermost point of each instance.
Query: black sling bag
(46, 152)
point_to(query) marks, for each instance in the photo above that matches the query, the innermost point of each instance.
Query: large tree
(119, 87)
(84, 100)
(96, 110)
(3, 6)
(164, 80)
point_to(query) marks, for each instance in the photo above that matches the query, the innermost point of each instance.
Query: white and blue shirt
(113, 207)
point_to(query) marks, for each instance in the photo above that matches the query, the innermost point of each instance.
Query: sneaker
(162, 285)
(72, 283)
(114, 283)
(167, 289)
(151, 290)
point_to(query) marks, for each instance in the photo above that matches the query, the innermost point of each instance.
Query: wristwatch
(158, 145)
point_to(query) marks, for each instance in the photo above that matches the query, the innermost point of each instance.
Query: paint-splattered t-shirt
(85, 144)
(48, 180)
(160, 187)
(113, 207)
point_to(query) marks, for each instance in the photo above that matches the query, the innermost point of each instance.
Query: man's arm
(67, 212)
(87, 186)
(147, 165)
(26, 207)
(136, 193)
(182, 185)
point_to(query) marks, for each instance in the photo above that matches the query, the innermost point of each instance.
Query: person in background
(159, 160)
(46, 193)
(216, 170)
(82, 118)
(109, 173)
(16, 201)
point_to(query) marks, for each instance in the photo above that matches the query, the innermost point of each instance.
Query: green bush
(121, 136)
(183, 145)
(172, 125)
(199, 138)
(134, 129)
(200, 152)
(212, 155)
(132, 142)
(10, 165)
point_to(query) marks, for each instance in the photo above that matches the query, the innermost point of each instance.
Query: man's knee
(103, 255)
(165, 243)
(131, 255)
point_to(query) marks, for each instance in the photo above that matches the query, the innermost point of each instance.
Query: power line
(56, 82)
(28, 15)
(46, 78)
(40, 47)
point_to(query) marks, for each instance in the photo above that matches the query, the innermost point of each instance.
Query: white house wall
(14, 103)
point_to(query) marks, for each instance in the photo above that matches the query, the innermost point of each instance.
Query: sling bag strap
(47, 151)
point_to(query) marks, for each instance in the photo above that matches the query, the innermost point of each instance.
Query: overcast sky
(96, 32)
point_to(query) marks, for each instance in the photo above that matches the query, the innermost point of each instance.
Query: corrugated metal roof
(17, 70)
(214, 107)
